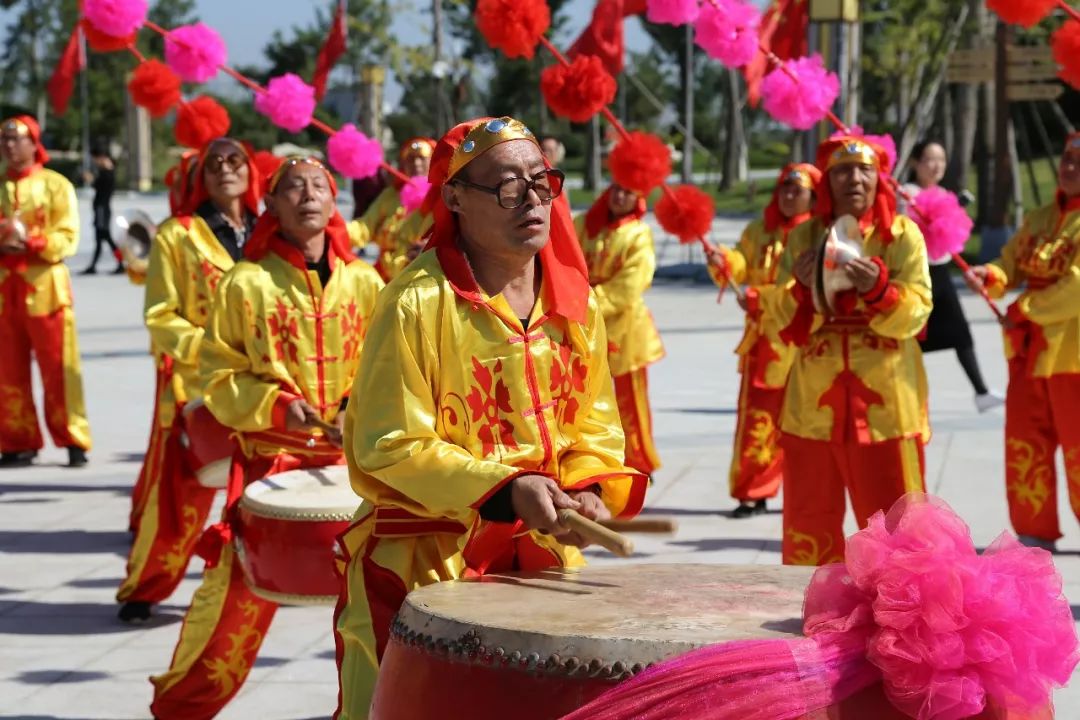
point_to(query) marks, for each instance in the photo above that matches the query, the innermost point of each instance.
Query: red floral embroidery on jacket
(568, 375)
(489, 401)
(283, 327)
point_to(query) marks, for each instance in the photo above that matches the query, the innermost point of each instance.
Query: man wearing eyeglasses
(488, 404)
(189, 255)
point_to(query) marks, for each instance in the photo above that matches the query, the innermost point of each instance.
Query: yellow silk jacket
(861, 377)
(755, 262)
(377, 225)
(411, 231)
(1042, 259)
(186, 265)
(44, 201)
(621, 264)
(276, 334)
(459, 400)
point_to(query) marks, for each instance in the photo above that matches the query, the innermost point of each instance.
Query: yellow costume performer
(39, 229)
(435, 442)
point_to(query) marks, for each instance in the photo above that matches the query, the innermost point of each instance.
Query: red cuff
(753, 302)
(1015, 313)
(798, 331)
(281, 407)
(884, 296)
(35, 244)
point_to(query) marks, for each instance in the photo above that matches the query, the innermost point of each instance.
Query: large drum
(286, 531)
(537, 646)
(209, 445)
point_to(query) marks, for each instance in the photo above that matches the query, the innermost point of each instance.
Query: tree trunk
(734, 168)
(967, 110)
(593, 157)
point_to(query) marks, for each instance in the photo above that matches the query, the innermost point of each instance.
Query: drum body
(286, 531)
(209, 445)
(537, 646)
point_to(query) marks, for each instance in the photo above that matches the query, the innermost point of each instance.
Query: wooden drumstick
(646, 525)
(596, 533)
(323, 425)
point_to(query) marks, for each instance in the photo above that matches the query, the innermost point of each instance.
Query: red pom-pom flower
(1022, 12)
(1066, 46)
(200, 121)
(513, 26)
(155, 87)
(579, 90)
(686, 212)
(945, 225)
(804, 100)
(640, 162)
(100, 42)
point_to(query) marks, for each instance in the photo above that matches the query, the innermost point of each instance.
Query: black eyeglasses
(512, 191)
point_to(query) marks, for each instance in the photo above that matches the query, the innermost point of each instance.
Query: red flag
(603, 37)
(784, 31)
(333, 48)
(71, 63)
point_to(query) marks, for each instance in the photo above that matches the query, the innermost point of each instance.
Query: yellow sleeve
(635, 276)
(170, 331)
(61, 234)
(236, 396)
(359, 233)
(1055, 303)
(391, 433)
(777, 302)
(736, 264)
(904, 312)
(1003, 273)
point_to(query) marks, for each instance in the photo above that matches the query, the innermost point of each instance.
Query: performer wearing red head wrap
(39, 228)
(854, 414)
(1042, 343)
(282, 345)
(463, 464)
(764, 359)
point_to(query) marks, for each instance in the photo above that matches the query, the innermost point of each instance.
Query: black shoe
(744, 510)
(759, 508)
(134, 612)
(76, 457)
(119, 270)
(23, 458)
(89, 271)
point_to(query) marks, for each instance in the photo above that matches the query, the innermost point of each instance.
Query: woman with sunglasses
(189, 255)
(621, 258)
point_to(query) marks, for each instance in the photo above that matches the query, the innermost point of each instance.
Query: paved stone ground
(62, 538)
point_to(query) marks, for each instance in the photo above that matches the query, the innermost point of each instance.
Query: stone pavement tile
(284, 701)
(86, 696)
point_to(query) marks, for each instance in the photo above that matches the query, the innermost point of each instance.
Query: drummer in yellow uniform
(39, 229)
(855, 407)
(380, 221)
(621, 258)
(282, 346)
(463, 464)
(764, 359)
(189, 255)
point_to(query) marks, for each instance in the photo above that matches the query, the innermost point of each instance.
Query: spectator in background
(553, 150)
(103, 180)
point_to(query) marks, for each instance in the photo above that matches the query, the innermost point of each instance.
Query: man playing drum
(281, 349)
(488, 403)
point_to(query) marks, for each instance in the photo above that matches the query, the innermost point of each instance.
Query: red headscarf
(598, 218)
(803, 174)
(178, 180)
(850, 148)
(267, 232)
(1072, 142)
(199, 195)
(33, 130)
(565, 274)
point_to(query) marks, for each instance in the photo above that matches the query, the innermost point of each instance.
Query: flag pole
(84, 95)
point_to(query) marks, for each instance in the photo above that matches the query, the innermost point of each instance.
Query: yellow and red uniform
(621, 259)
(428, 450)
(36, 316)
(854, 412)
(1043, 350)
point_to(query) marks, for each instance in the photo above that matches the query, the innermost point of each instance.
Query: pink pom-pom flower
(195, 52)
(354, 154)
(803, 101)
(728, 31)
(945, 225)
(414, 192)
(289, 102)
(117, 18)
(672, 12)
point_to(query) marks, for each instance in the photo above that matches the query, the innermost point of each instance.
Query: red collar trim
(794, 221)
(24, 173)
(292, 254)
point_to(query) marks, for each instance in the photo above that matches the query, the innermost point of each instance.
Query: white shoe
(988, 401)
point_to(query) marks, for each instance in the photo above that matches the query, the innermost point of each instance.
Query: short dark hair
(920, 147)
(100, 149)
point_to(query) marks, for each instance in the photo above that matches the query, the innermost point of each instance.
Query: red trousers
(757, 460)
(152, 462)
(1041, 414)
(816, 473)
(632, 396)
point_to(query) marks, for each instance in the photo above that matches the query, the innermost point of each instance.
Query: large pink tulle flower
(945, 225)
(289, 102)
(728, 31)
(414, 192)
(672, 12)
(118, 18)
(195, 52)
(803, 102)
(354, 154)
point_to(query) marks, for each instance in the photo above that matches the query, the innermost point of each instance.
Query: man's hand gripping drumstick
(301, 416)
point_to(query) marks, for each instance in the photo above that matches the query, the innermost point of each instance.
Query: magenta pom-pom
(803, 101)
(414, 192)
(672, 12)
(354, 154)
(945, 225)
(195, 52)
(289, 102)
(728, 31)
(118, 18)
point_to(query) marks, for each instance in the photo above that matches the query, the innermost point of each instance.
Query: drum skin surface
(286, 531)
(535, 646)
(209, 445)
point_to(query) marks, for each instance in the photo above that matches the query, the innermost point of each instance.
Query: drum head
(310, 494)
